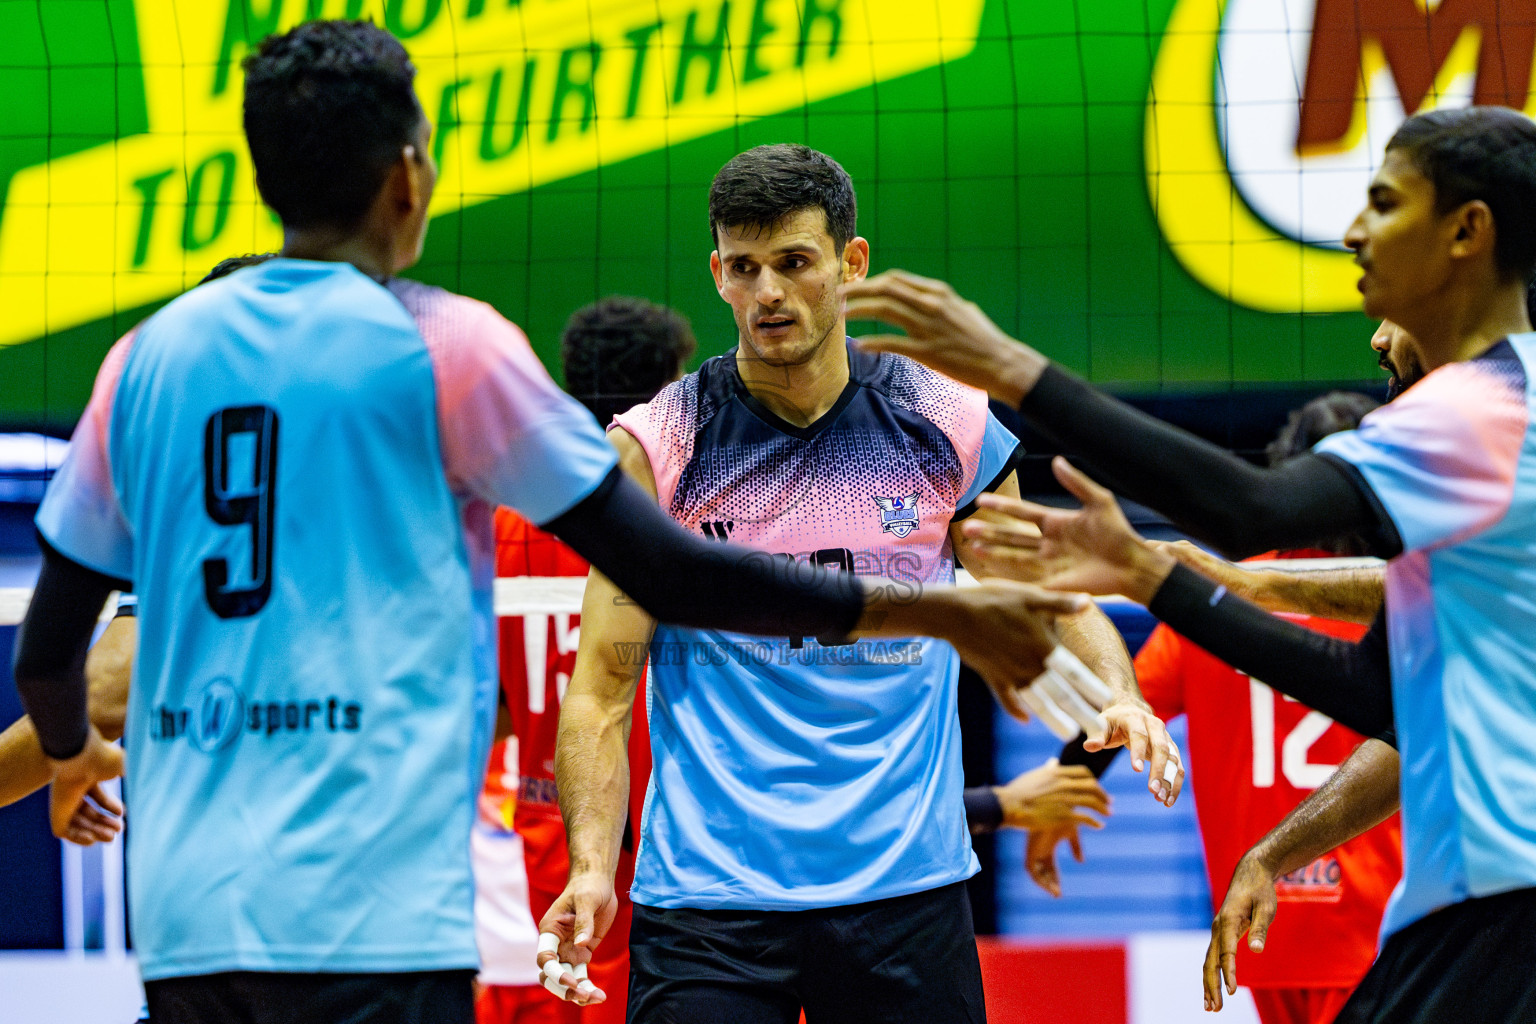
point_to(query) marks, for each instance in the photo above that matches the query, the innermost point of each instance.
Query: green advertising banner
(1151, 191)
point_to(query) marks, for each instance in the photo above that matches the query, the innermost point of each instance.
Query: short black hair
(226, 267)
(619, 351)
(1481, 153)
(763, 186)
(1329, 414)
(328, 107)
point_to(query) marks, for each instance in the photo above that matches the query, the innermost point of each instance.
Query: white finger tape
(553, 969)
(549, 942)
(1071, 668)
(1172, 768)
(1044, 708)
(580, 971)
(555, 987)
(1069, 700)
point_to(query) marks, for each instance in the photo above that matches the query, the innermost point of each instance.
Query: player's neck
(373, 256)
(1470, 323)
(804, 392)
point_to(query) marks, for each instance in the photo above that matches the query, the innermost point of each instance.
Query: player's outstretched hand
(1052, 796)
(72, 817)
(1040, 854)
(1092, 550)
(570, 931)
(945, 332)
(1249, 907)
(1130, 723)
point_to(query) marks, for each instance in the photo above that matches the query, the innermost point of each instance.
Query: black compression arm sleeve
(49, 662)
(1348, 682)
(1097, 761)
(1207, 491)
(683, 579)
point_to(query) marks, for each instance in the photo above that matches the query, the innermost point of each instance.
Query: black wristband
(983, 810)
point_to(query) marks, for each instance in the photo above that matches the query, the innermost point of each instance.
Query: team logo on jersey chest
(898, 515)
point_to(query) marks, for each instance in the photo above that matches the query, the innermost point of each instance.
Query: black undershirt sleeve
(1207, 491)
(683, 579)
(1348, 682)
(49, 661)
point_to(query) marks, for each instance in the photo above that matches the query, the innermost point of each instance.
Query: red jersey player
(1258, 755)
(617, 353)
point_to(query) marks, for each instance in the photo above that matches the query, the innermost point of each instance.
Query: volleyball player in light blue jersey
(1442, 482)
(295, 466)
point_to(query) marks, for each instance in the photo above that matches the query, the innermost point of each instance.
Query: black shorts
(1473, 962)
(908, 958)
(256, 997)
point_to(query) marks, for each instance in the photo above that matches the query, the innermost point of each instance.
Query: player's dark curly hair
(225, 267)
(328, 107)
(619, 351)
(1486, 153)
(765, 185)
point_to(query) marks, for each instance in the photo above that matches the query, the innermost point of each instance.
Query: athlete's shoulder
(908, 384)
(439, 307)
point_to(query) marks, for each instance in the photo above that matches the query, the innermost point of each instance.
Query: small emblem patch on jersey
(898, 515)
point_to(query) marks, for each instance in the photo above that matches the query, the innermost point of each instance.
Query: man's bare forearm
(1360, 795)
(1353, 595)
(24, 768)
(1091, 636)
(592, 775)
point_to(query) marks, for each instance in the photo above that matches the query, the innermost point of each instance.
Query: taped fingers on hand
(565, 980)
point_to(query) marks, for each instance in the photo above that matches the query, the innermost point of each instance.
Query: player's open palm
(1090, 550)
(576, 922)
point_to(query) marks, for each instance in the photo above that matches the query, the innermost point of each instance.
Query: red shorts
(523, 1004)
(1299, 1005)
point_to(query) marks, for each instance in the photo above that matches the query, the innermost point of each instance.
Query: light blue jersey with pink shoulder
(295, 465)
(1453, 464)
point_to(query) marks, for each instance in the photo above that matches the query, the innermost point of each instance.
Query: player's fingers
(1013, 533)
(1079, 485)
(1014, 508)
(886, 310)
(897, 344)
(929, 285)
(1087, 819)
(103, 826)
(1074, 841)
(1042, 870)
(1009, 696)
(1258, 931)
(1174, 773)
(106, 801)
(1057, 602)
(63, 801)
(1137, 743)
(1210, 976)
(1157, 747)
